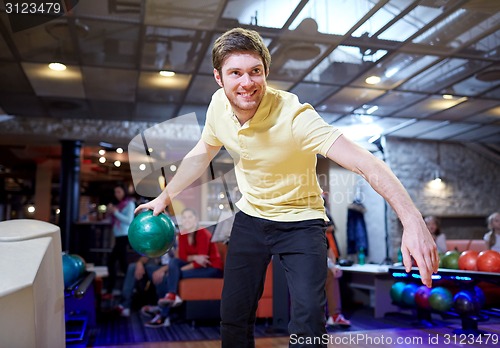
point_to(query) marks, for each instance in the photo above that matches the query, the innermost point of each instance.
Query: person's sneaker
(150, 311)
(124, 312)
(170, 299)
(158, 321)
(338, 320)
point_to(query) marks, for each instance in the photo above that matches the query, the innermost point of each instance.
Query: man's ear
(218, 78)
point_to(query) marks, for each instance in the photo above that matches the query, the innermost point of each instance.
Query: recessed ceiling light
(119, 150)
(372, 80)
(167, 73)
(57, 66)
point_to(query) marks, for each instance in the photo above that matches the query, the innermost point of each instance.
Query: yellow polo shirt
(274, 154)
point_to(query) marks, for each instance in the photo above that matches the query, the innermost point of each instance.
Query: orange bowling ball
(467, 260)
(488, 261)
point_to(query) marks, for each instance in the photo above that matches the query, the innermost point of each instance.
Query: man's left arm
(417, 241)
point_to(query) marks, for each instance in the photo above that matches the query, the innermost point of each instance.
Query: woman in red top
(196, 257)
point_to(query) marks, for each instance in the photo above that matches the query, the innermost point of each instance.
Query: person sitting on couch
(492, 237)
(196, 257)
(434, 227)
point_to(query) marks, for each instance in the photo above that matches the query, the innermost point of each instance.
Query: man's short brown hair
(239, 40)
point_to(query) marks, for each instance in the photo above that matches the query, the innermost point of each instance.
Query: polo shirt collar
(263, 110)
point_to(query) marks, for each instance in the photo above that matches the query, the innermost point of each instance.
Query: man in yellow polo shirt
(274, 140)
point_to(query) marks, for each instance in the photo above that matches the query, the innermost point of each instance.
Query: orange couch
(202, 295)
(466, 244)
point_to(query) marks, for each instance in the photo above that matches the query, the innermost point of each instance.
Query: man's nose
(246, 80)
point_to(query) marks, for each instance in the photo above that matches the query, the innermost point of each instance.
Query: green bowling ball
(80, 263)
(441, 299)
(397, 292)
(150, 235)
(71, 270)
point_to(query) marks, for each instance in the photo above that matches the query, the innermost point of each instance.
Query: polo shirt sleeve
(209, 135)
(312, 133)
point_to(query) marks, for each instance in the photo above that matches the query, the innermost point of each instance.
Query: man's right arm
(191, 168)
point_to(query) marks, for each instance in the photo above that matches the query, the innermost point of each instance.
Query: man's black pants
(301, 248)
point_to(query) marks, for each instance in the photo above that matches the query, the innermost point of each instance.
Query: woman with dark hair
(492, 237)
(122, 214)
(434, 226)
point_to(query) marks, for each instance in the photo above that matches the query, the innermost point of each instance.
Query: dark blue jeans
(130, 282)
(175, 274)
(301, 248)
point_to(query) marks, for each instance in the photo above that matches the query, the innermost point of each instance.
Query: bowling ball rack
(471, 278)
(80, 309)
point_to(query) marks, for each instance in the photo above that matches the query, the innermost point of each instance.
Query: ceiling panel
(448, 131)
(489, 116)
(313, 93)
(396, 69)
(21, 104)
(416, 129)
(110, 84)
(49, 83)
(171, 49)
(201, 90)
(271, 14)
(409, 24)
(109, 110)
(63, 108)
(442, 75)
(341, 66)
(47, 42)
(474, 85)
(348, 99)
(14, 80)
(469, 108)
(129, 10)
(5, 52)
(156, 88)
(333, 17)
(108, 43)
(428, 106)
(156, 112)
(478, 134)
(183, 14)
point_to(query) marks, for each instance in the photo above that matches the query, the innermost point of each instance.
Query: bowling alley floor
(366, 331)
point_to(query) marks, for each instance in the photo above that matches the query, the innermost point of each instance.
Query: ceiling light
(371, 110)
(372, 80)
(102, 159)
(119, 150)
(173, 168)
(447, 96)
(57, 66)
(102, 152)
(142, 166)
(117, 163)
(167, 73)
